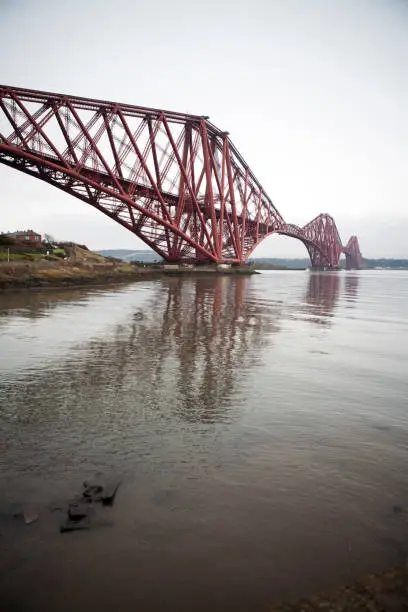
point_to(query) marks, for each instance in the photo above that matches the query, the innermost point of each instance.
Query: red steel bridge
(173, 179)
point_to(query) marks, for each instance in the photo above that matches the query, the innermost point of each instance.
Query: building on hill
(25, 236)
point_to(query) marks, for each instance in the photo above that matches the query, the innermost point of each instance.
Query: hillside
(78, 266)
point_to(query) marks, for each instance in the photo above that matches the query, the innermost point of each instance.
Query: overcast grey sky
(314, 94)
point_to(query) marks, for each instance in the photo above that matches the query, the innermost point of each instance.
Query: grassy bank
(78, 267)
(81, 267)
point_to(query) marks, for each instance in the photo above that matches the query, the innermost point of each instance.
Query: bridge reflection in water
(322, 296)
(214, 333)
(186, 352)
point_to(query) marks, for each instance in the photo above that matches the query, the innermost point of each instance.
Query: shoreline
(35, 281)
(79, 282)
(84, 268)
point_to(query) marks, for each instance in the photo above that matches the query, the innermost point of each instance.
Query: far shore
(85, 268)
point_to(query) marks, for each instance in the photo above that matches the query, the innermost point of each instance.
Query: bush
(6, 240)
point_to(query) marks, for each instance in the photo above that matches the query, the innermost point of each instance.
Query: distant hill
(268, 263)
(389, 264)
(260, 263)
(265, 263)
(131, 255)
(150, 256)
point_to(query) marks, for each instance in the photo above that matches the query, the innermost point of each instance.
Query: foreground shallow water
(259, 426)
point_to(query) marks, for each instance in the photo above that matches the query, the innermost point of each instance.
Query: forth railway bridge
(173, 179)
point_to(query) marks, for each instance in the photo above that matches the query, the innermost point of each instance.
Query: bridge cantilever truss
(175, 180)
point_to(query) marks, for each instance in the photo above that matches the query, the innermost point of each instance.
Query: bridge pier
(351, 263)
(207, 268)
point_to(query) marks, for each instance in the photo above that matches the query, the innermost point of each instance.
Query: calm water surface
(259, 425)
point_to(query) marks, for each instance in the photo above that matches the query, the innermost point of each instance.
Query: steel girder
(173, 179)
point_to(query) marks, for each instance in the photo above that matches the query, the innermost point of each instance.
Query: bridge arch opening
(285, 250)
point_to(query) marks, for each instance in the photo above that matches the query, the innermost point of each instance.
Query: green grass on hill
(4, 256)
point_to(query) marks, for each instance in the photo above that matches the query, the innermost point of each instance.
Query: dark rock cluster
(81, 510)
